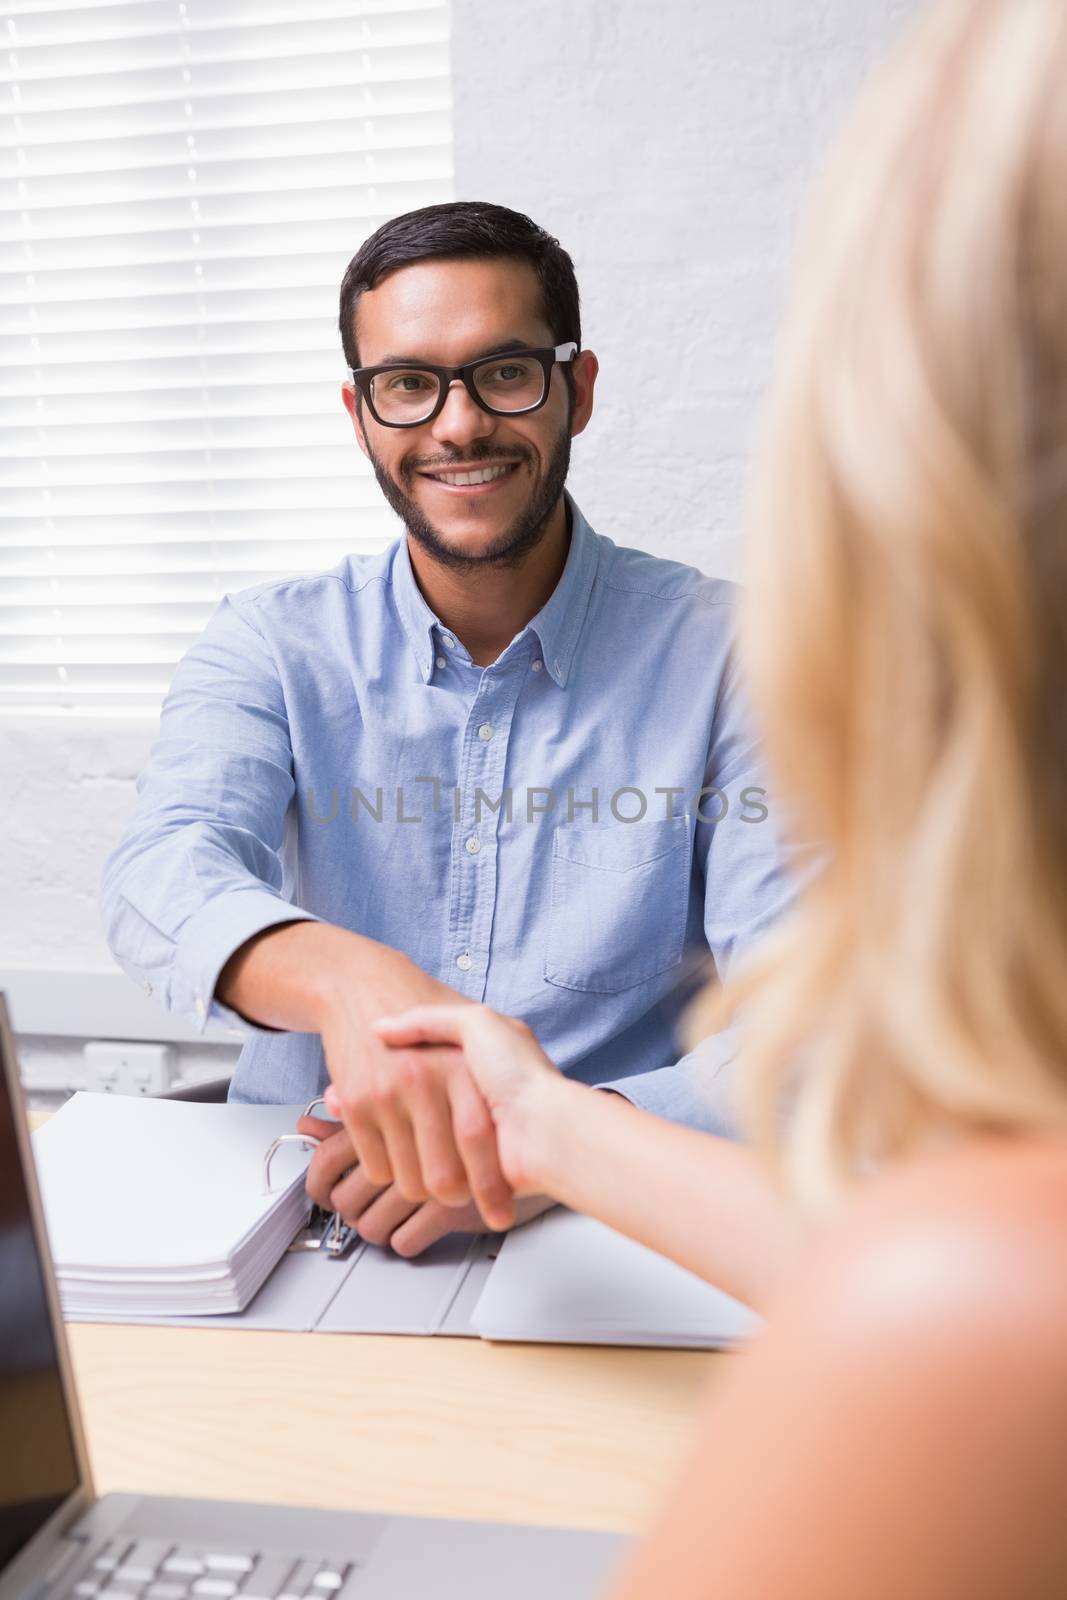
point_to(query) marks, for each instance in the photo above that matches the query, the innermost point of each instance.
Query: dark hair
(463, 230)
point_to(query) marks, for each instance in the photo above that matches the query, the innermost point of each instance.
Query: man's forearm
(285, 976)
(704, 1201)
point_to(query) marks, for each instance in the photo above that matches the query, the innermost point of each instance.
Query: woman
(901, 1429)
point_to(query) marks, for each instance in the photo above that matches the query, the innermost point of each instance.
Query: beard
(517, 540)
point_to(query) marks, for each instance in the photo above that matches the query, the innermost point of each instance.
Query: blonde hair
(905, 631)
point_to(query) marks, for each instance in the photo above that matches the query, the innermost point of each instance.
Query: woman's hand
(524, 1092)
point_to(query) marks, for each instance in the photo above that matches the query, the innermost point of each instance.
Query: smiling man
(506, 760)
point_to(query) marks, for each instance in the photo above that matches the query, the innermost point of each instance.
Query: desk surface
(578, 1436)
(527, 1433)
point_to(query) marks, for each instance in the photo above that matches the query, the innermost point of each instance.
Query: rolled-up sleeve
(198, 869)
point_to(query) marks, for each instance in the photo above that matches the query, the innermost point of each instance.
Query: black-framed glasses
(509, 384)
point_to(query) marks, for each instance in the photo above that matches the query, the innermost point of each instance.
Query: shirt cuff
(208, 940)
(699, 1091)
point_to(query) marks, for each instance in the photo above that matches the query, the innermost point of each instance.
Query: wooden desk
(576, 1436)
(448, 1427)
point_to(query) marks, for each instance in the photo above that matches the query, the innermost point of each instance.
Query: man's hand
(529, 1100)
(416, 1119)
(381, 1214)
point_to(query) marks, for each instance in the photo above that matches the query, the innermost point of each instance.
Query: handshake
(446, 1110)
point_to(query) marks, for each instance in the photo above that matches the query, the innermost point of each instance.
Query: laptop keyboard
(154, 1569)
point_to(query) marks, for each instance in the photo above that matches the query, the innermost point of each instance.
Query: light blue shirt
(533, 833)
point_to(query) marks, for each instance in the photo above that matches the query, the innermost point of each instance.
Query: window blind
(182, 183)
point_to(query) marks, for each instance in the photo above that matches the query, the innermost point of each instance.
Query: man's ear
(584, 369)
(351, 402)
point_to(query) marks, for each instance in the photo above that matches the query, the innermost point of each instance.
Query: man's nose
(460, 421)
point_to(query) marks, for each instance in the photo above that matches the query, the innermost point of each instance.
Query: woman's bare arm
(706, 1202)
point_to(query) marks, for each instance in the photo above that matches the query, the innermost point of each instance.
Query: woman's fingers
(427, 1025)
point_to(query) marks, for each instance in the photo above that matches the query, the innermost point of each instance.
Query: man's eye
(509, 372)
(408, 382)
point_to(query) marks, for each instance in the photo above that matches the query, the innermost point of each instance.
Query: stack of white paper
(567, 1279)
(158, 1206)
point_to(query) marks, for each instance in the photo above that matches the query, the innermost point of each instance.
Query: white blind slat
(219, 370)
(50, 292)
(192, 498)
(182, 183)
(169, 526)
(39, 21)
(288, 204)
(197, 241)
(246, 50)
(110, 195)
(286, 431)
(180, 467)
(123, 128)
(84, 91)
(101, 160)
(194, 585)
(67, 410)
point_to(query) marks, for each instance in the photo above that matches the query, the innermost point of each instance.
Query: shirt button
(146, 986)
(485, 732)
(440, 661)
(200, 1009)
(535, 666)
(464, 962)
(473, 845)
(448, 641)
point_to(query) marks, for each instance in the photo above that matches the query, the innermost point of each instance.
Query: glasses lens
(404, 396)
(510, 384)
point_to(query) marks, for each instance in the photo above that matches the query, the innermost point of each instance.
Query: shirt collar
(416, 616)
(557, 625)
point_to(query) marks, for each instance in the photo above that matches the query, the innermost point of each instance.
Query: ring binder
(284, 1138)
(211, 1252)
(325, 1230)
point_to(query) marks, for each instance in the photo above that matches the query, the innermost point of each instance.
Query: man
(504, 761)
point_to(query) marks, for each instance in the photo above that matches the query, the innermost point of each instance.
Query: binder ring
(285, 1138)
(319, 1100)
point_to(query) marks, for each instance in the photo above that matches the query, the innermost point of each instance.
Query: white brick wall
(667, 145)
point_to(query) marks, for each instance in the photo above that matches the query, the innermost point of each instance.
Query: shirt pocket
(620, 898)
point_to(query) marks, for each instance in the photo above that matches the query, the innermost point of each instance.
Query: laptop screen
(38, 1465)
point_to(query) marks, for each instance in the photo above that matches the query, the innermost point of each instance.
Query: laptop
(59, 1542)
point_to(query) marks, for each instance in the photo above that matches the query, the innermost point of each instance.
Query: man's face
(447, 313)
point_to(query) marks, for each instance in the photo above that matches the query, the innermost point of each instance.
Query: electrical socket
(119, 1067)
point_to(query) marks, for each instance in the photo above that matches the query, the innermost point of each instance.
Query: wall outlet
(121, 1067)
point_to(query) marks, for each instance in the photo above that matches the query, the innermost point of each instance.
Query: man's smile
(468, 478)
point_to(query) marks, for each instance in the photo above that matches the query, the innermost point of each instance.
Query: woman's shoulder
(917, 1362)
(900, 1428)
(984, 1215)
(949, 1275)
